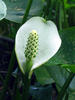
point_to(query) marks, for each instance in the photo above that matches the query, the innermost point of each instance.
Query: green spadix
(48, 41)
(31, 46)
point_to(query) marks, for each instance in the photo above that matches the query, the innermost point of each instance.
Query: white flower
(3, 10)
(49, 41)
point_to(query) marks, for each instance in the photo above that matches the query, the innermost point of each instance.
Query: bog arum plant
(37, 40)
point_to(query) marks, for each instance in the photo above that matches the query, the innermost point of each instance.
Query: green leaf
(71, 1)
(69, 4)
(66, 53)
(70, 67)
(42, 76)
(16, 9)
(18, 95)
(71, 96)
(57, 73)
(60, 75)
(49, 41)
(3, 10)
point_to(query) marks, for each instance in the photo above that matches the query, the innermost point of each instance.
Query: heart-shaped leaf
(42, 76)
(3, 10)
(59, 75)
(49, 41)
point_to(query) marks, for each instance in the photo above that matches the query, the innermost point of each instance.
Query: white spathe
(49, 41)
(3, 10)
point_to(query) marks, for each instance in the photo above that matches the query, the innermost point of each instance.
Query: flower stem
(46, 9)
(6, 82)
(27, 11)
(66, 96)
(26, 80)
(65, 18)
(65, 86)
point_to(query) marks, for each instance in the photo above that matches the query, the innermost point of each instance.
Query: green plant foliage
(58, 74)
(71, 1)
(16, 9)
(42, 76)
(71, 96)
(71, 13)
(3, 10)
(69, 67)
(18, 95)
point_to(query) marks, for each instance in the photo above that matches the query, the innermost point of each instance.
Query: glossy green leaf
(69, 67)
(16, 9)
(3, 10)
(49, 41)
(42, 76)
(60, 75)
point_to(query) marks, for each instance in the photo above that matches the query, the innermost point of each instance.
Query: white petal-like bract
(3, 10)
(49, 41)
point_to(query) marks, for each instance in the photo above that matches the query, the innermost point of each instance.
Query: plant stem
(57, 13)
(46, 9)
(60, 16)
(10, 68)
(66, 96)
(15, 88)
(28, 66)
(65, 18)
(27, 11)
(26, 80)
(65, 86)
